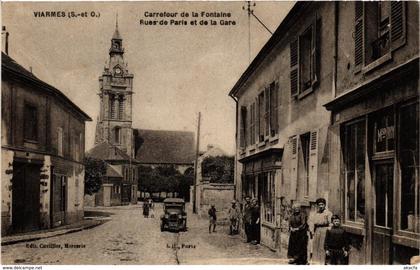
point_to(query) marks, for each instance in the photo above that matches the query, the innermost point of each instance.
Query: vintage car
(174, 217)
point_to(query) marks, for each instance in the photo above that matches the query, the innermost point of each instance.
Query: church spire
(116, 33)
(116, 41)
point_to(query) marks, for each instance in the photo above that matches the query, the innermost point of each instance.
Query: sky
(178, 70)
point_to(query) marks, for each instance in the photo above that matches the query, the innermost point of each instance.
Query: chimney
(4, 40)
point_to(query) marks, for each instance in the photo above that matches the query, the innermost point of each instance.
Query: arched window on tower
(113, 106)
(117, 135)
(121, 108)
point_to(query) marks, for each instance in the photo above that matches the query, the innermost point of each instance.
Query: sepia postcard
(210, 133)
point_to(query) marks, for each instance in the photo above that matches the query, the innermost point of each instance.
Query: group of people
(234, 214)
(320, 231)
(251, 220)
(148, 208)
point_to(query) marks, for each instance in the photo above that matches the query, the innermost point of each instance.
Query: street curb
(29, 238)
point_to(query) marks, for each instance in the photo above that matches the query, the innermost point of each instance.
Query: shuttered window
(313, 166)
(274, 88)
(304, 60)
(267, 111)
(242, 127)
(252, 124)
(358, 34)
(398, 24)
(261, 110)
(379, 28)
(294, 68)
(293, 148)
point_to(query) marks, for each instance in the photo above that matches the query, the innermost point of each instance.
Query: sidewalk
(36, 235)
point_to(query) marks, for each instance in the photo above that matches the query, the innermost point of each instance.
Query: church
(123, 147)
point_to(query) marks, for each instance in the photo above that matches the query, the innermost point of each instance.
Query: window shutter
(358, 34)
(242, 127)
(267, 108)
(293, 166)
(272, 108)
(398, 24)
(294, 68)
(276, 108)
(257, 119)
(248, 126)
(261, 111)
(315, 51)
(313, 165)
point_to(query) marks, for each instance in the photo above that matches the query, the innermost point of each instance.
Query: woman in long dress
(298, 240)
(319, 222)
(146, 209)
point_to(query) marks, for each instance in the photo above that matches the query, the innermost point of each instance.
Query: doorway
(383, 212)
(25, 197)
(59, 199)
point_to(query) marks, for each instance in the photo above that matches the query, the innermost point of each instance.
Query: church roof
(107, 151)
(164, 146)
(117, 34)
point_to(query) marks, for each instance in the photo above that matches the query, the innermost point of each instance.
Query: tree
(165, 178)
(95, 170)
(219, 169)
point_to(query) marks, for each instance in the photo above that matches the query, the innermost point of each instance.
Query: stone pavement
(129, 238)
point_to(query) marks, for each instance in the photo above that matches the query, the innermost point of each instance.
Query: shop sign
(385, 133)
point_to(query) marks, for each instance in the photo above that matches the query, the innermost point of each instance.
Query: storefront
(377, 146)
(259, 176)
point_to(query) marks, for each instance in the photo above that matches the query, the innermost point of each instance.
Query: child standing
(336, 243)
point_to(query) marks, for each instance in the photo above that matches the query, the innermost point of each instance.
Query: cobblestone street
(128, 238)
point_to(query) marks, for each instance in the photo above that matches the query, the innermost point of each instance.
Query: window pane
(409, 162)
(350, 148)
(380, 194)
(384, 194)
(30, 123)
(354, 154)
(305, 58)
(350, 196)
(360, 167)
(381, 134)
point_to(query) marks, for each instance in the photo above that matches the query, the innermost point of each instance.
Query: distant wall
(220, 195)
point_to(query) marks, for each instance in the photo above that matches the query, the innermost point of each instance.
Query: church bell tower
(116, 88)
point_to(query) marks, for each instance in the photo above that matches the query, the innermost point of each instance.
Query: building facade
(375, 129)
(118, 185)
(318, 115)
(42, 169)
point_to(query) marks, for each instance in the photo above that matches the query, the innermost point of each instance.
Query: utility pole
(250, 11)
(197, 152)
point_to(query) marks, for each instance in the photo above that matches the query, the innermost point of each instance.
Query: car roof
(173, 200)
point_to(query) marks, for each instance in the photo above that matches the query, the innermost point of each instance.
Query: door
(58, 206)
(383, 212)
(25, 197)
